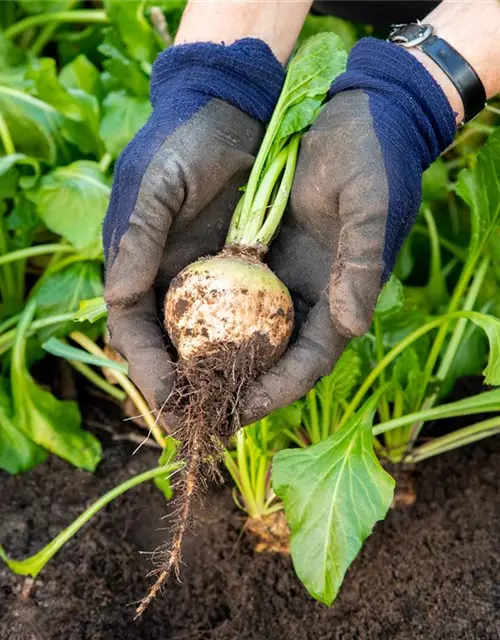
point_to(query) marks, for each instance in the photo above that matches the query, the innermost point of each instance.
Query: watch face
(410, 35)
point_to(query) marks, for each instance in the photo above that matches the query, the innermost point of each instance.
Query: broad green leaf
(479, 187)
(35, 126)
(80, 109)
(391, 298)
(491, 326)
(91, 310)
(17, 170)
(12, 63)
(135, 31)
(53, 424)
(17, 452)
(81, 74)
(62, 350)
(346, 31)
(408, 373)
(63, 290)
(309, 76)
(469, 358)
(123, 116)
(46, 6)
(341, 382)
(72, 202)
(311, 72)
(405, 260)
(333, 493)
(120, 66)
(435, 182)
(23, 223)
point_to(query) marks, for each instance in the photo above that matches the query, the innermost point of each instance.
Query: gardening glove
(356, 194)
(175, 187)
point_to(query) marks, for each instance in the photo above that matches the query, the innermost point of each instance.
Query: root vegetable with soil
(229, 316)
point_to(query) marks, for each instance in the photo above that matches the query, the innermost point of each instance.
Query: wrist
(275, 22)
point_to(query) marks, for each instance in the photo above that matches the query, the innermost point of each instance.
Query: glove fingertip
(353, 294)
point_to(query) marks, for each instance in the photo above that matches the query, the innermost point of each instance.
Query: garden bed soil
(428, 572)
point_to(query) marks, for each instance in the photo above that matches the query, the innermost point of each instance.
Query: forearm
(276, 22)
(472, 28)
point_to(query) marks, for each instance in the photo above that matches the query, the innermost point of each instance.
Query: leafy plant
(63, 123)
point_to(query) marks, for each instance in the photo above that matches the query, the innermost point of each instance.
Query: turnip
(229, 316)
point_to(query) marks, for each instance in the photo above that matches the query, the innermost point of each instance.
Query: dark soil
(430, 572)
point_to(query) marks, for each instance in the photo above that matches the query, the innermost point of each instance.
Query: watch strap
(458, 70)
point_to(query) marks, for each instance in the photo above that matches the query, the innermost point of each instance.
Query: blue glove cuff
(412, 119)
(405, 100)
(245, 74)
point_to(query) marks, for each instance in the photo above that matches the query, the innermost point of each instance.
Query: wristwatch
(458, 70)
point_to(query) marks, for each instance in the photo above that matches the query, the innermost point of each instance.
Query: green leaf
(405, 260)
(133, 28)
(480, 189)
(35, 126)
(53, 424)
(123, 116)
(435, 182)
(408, 373)
(63, 290)
(309, 76)
(13, 173)
(17, 452)
(12, 63)
(334, 493)
(45, 6)
(23, 223)
(91, 310)
(80, 109)
(391, 298)
(469, 359)
(34, 564)
(346, 31)
(60, 349)
(81, 74)
(491, 326)
(72, 202)
(342, 381)
(127, 72)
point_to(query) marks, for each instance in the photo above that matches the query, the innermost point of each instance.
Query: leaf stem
(6, 138)
(87, 16)
(126, 384)
(394, 352)
(37, 250)
(98, 381)
(456, 439)
(454, 342)
(278, 207)
(105, 161)
(251, 224)
(454, 409)
(34, 564)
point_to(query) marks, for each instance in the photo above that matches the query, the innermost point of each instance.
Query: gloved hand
(355, 197)
(176, 185)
